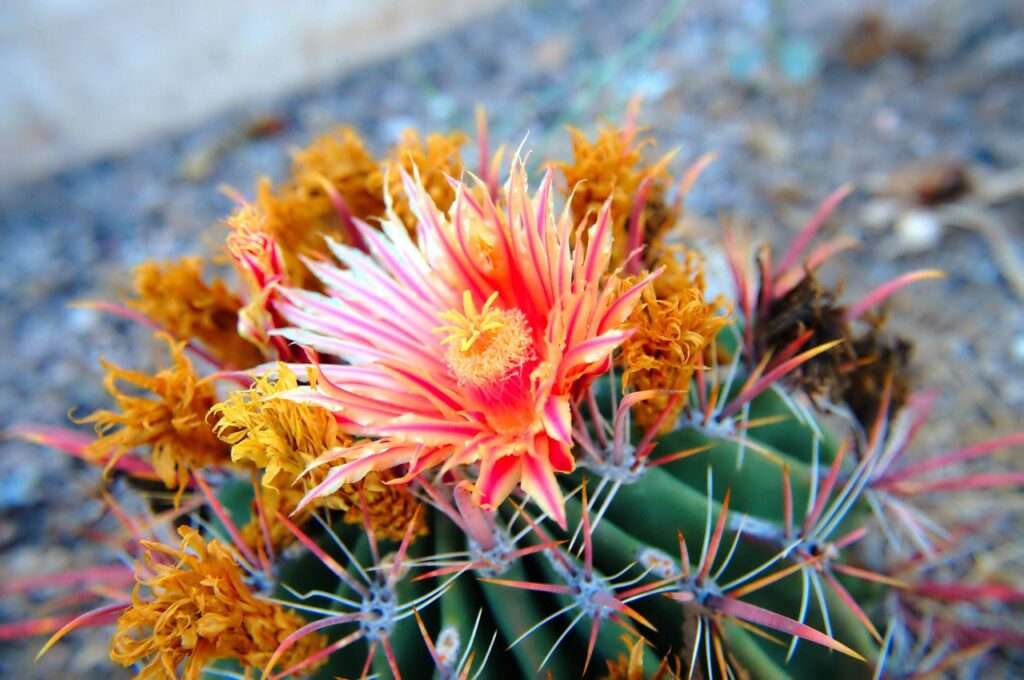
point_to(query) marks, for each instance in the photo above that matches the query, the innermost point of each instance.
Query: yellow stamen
(484, 345)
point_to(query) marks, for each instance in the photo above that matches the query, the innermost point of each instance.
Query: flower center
(484, 345)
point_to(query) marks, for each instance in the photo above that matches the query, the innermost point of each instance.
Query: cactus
(520, 441)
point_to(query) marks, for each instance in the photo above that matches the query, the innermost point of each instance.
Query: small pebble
(918, 231)
(879, 214)
(1017, 349)
(18, 486)
(887, 121)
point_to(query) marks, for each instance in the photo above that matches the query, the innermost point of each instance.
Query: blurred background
(120, 121)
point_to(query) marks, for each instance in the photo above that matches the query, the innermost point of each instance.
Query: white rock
(917, 231)
(880, 213)
(1017, 349)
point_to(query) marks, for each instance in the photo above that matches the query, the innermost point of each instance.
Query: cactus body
(501, 437)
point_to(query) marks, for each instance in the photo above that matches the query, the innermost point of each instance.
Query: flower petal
(558, 419)
(540, 484)
(497, 479)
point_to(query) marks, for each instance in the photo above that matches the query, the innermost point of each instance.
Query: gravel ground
(772, 92)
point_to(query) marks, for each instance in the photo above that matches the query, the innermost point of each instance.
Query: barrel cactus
(450, 424)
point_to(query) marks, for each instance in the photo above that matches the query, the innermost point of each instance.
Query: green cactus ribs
(663, 550)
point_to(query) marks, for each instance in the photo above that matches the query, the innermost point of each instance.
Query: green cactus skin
(645, 514)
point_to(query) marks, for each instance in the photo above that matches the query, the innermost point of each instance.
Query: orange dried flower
(169, 417)
(175, 296)
(674, 324)
(612, 166)
(283, 437)
(198, 610)
(631, 667)
(389, 508)
(436, 158)
(278, 436)
(270, 216)
(628, 667)
(299, 214)
(340, 157)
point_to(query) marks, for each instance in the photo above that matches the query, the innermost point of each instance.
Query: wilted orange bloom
(199, 609)
(282, 438)
(278, 436)
(674, 325)
(435, 159)
(631, 666)
(612, 168)
(168, 415)
(301, 213)
(175, 296)
(341, 158)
